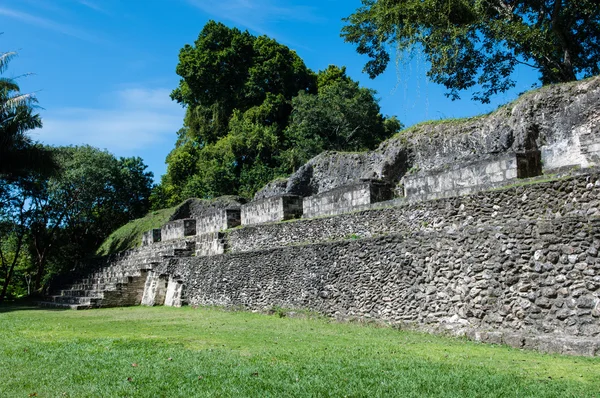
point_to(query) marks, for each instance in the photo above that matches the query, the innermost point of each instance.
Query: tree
(480, 42)
(19, 154)
(241, 92)
(343, 117)
(228, 69)
(75, 211)
(15, 219)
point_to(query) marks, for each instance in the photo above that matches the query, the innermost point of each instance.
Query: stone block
(173, 293)
(150, 237)
(178, 229)
(272, 209)
(218, 220)
(347, 198)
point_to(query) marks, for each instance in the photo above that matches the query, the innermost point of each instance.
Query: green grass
(187, 352)
(130, 234)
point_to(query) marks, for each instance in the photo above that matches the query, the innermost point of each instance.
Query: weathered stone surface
(150, 237)
(560, 121)
(346, 199)
(276, 208)
(178, 229)
(197, 208)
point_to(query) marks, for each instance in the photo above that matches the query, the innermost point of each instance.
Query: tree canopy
(480, 42)
(58, 220)
(256, 112)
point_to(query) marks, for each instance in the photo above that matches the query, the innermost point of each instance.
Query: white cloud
(91, 5)
(256, 14)
(139, 119)
(49, 24)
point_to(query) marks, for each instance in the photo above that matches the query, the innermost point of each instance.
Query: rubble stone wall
(525, 283)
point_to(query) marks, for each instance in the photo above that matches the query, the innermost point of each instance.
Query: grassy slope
(155, 352)
(130, 234)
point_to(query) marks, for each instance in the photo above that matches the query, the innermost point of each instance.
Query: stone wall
(517, 265)
(178, 229)
(459, 180)
(346, 199)
(571, 196)
(276, 208)
(528, 284)
(218, 220)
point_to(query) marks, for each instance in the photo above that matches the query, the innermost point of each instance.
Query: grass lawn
(187, 352)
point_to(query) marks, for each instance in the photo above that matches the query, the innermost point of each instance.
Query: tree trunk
(7, 280)
(41, 267)
(11, 269)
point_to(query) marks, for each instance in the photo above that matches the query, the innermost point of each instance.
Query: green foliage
(227, 69)
(129, 235)
(20, 156)
(341, 117)
(479, 42)
(186, 352)
(249, 116)
(71, 213)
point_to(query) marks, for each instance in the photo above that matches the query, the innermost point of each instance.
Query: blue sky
(103, 69)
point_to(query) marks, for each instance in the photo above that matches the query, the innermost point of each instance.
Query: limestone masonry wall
(277, 208)
(517, 265)
(178, 229)
(572, 196)
(528, 284)
(346, 198)
(218, 220)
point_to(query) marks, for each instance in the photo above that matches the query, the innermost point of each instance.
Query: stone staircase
(118, 280)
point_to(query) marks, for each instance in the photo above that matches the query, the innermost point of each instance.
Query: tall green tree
(227, 69)
(472, 43)
(15, 221)
(342, 117)
(242, 128)
(72, 213)
(231, 83)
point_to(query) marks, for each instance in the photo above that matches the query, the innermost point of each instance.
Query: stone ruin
(488, 228)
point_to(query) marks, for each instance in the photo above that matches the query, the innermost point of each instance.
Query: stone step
(82, 293)
(95, 286)
(91, 301)
(183, 252)
(102, 280)
(112, 275)
(51, 304)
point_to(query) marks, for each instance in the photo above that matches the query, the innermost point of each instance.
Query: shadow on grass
(28, 304)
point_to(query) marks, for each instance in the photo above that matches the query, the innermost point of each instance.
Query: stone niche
(210, 244)
(218, 220)
(275, 208)
(150, 237)
(178, 229)
(347, 198)
(529, 164)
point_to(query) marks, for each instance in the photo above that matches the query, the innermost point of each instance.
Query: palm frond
(5, 59)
